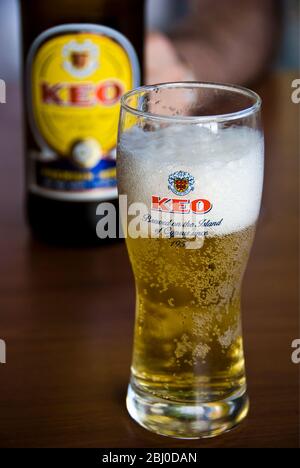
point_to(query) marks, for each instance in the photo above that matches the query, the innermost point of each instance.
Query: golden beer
(188, 338)
(193, 187)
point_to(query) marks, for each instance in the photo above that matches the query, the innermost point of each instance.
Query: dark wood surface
(67, 315)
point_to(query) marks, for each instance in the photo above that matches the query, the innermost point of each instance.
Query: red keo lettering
(107, 94)
(179, 205)
(50, 94)
(81, 95)
(201, 206)
(160, 204)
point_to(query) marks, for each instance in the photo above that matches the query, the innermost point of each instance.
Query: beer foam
(227, 165)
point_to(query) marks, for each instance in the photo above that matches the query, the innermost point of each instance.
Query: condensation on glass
(193, 156)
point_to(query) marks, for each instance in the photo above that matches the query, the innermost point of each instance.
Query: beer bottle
(79, 59)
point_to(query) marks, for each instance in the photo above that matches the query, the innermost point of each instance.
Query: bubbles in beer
(188, 341)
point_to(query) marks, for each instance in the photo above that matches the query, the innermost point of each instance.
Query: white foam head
(227, 165)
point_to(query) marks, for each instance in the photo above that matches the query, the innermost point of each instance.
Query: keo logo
(180, 205)
(181, 183)
(107, 93)
(81, 59)
(2, 352)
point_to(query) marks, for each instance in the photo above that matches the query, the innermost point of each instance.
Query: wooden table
(67, 315)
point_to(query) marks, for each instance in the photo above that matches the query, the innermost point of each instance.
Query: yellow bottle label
(78, 74)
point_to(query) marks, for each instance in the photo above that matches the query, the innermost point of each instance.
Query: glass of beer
(190, 173)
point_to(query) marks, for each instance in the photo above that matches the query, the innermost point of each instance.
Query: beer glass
(190, 172)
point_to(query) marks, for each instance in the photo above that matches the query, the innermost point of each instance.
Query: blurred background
(234, 39)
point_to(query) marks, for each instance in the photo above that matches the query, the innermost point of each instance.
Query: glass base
(186, 421)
